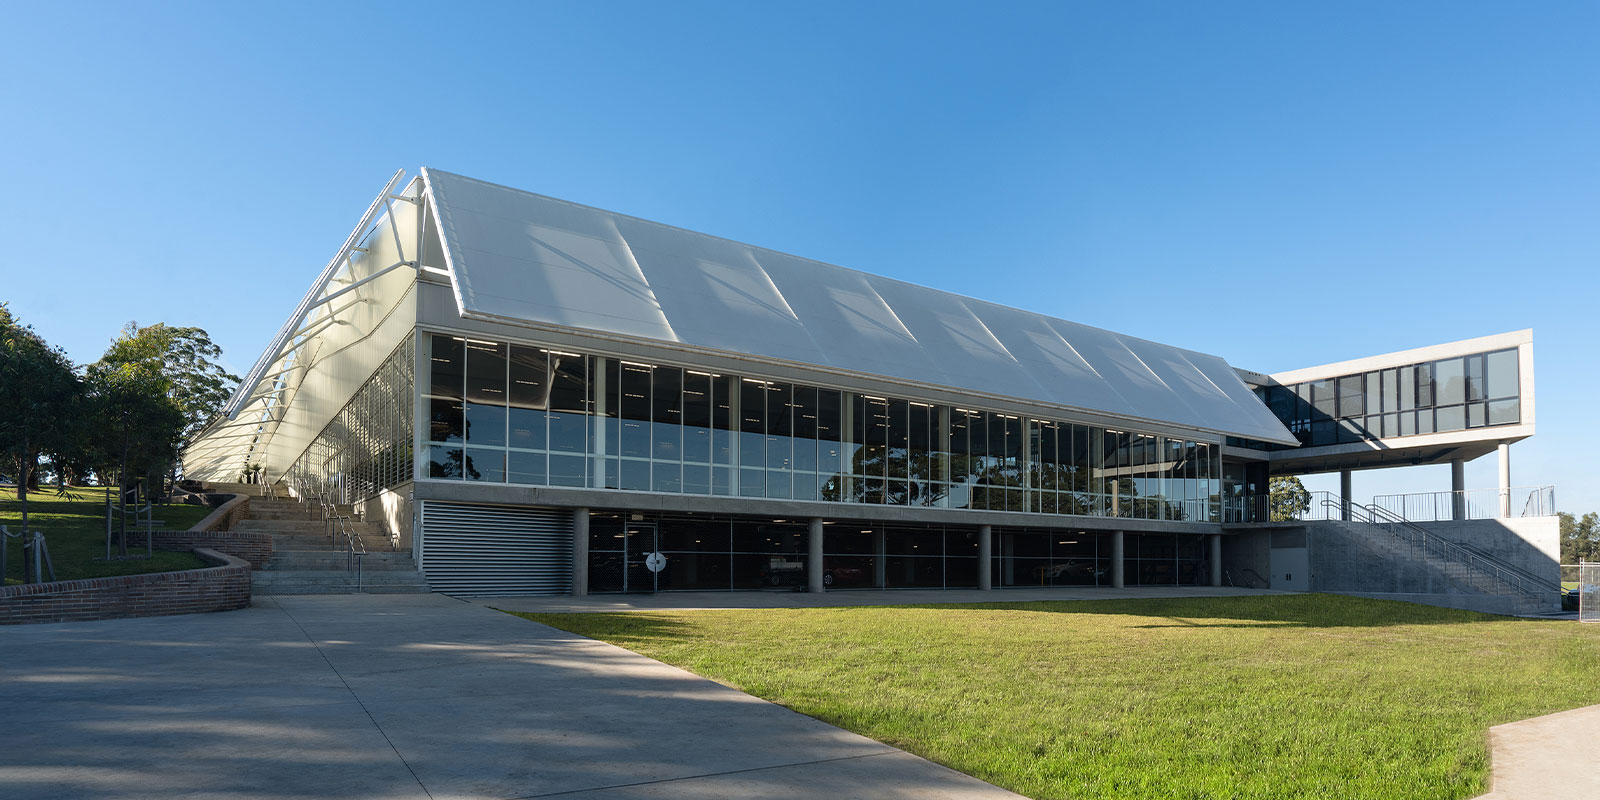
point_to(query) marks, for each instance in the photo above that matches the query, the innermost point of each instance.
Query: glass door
(639, 541)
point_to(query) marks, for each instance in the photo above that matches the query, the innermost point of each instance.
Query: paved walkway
(1546, 757)
(403, 696)
(699, 601)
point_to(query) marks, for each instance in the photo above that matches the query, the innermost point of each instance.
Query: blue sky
(1280, 184)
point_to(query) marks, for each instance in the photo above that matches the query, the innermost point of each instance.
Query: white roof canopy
(519, 256)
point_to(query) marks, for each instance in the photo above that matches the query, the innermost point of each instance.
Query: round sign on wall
(655, 562)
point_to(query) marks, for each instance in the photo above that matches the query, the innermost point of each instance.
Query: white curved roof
(523, 256)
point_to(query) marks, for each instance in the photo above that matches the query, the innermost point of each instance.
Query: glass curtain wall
(716, 553)
(1023, 557)
(1476, 391)
(366, 447)
(510, 413)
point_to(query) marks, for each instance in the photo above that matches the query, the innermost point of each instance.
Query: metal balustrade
(1520, 501)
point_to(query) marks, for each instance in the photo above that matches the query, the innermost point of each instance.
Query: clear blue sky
(1282, 184)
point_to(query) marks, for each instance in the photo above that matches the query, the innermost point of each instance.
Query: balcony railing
(1521, 501)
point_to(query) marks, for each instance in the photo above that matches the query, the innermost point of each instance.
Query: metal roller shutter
(496, 550)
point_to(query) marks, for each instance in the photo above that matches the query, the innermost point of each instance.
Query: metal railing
(318, 498)
(1520, 501)
(1472, 568)
(355, 549)
(1323, 506)
(36, 563)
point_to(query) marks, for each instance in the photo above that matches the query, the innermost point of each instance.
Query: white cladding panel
(522, 256)
(478, 550)
(370, 322)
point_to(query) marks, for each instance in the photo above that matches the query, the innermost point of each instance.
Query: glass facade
(367, 446)
(1476, 391)
(706, 553)
(510, 413)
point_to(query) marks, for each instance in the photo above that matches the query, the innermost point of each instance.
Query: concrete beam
(648, 502)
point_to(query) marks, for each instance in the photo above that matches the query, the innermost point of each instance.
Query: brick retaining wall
(221, 587)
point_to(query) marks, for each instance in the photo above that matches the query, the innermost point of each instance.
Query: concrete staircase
(307, 560)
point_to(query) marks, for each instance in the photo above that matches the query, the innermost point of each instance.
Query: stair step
(288, 590)
(318, 577)
(339, 565)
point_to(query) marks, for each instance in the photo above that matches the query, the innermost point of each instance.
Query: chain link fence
(1589, 592)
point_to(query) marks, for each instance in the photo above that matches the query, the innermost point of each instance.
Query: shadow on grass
(613, 625)
(1299, 610)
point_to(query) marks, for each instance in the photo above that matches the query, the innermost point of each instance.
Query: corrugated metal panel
(518, 255)
(496, 550)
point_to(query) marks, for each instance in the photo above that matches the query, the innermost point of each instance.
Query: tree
(138, 426)
(40, 400)
(185, 359)
(1287, 498)
(1580, 538)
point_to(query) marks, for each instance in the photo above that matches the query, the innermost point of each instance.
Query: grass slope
(75, 533)
(1301, 696)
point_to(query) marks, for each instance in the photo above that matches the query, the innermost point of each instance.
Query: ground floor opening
(633, 552)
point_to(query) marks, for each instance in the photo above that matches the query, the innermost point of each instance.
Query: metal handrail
(355, 549)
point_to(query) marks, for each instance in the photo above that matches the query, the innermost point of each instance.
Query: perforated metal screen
(478, 550)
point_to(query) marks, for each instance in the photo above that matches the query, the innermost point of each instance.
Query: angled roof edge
(1248, 416)
(1400, 358)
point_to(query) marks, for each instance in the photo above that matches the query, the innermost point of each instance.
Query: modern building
(536, 396)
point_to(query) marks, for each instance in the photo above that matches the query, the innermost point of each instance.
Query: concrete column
(1505, 479)
(1116, 560)
(814, 557)
(985, 556)
(1216, 559)
(580, 552)
(1458, 488)
(1344, 495)
(880, 546)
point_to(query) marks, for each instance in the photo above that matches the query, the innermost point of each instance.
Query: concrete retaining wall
(1345, 559)
(222, 587)
(215, 532)
(392, 509)
(1531, 544)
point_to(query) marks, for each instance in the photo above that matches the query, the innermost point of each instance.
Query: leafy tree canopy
(1580, 538)
(184, 361)
(39, 397)
(1287, 498)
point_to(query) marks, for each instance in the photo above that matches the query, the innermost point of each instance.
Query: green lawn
(75, 533)
(1298, 696)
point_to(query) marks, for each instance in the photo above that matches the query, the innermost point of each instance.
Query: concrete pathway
(403, 696)
(700, 601)
(1546, 757)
